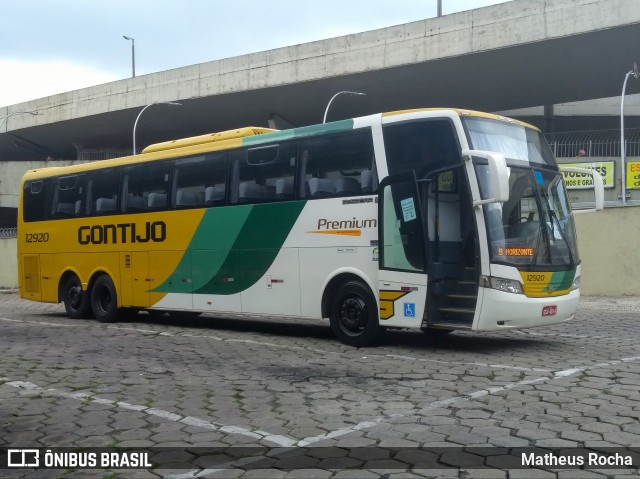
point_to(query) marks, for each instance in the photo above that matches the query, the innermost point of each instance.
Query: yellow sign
(633, 175)
(575, 181)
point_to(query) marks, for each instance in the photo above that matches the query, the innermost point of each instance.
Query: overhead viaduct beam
(513, 55)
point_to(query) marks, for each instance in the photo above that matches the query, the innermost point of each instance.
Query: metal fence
(8, 232)
(87, 155)
(598, 143)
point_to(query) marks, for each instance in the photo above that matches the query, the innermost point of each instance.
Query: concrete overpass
(519, 54)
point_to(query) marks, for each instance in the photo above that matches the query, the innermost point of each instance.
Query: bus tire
(104, 300)
(76, 301)
(354, 314)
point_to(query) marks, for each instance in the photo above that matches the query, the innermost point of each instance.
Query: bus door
(402, 252)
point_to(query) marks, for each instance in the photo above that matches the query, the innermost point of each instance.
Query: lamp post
(623, 165)
(135, 125)
(133, 55)
(324, 120)
(4, 120)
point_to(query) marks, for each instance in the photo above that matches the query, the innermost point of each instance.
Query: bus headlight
(506, 285)
(576, 283)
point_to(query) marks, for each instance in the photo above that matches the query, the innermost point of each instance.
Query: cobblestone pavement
(201, 386)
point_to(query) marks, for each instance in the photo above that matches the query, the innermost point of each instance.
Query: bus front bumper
(501, 310)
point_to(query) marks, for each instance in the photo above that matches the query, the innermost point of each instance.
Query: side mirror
(498, 176)
(598, 184)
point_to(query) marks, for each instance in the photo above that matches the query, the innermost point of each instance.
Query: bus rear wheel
(76, 301)
(104, 300)
(354, 314)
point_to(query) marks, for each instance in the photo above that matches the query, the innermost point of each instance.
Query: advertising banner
(575, 181)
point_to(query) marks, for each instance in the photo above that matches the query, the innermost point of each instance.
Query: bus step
(457, 311)
(463, 296)
(451, 325)
(469, 274)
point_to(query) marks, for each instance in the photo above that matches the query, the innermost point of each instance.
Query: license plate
(549, 311)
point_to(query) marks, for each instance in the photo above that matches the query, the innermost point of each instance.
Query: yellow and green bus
(433, 219)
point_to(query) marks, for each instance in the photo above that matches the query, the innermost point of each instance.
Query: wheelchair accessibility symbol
(409, 310)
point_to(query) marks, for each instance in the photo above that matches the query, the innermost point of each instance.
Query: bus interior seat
(284, 188)
(105, 205)
(346, 185)
(135, 203)
(157, 200)
(321, 188)
(65, 209)
(187, 198)
(369, 181)
(366, 181)
(213, 194)
(78, 208)
(250, 191)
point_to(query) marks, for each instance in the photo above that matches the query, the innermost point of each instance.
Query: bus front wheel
(104, 301)
(76, 300)
(354, 314)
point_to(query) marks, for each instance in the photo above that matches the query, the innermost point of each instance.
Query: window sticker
(539, 177)
(408, 209)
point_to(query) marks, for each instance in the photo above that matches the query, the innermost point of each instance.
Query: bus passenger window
(339, 165)
(69, 197)
(199, 181)
(149, 182)
(36, 200)
(422, 146)
(102, 192)
(264, 174)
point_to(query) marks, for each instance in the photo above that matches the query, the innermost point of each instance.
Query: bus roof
(208, 138)
(461, 112)
(241, 137)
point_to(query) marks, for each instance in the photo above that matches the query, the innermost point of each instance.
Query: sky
(55, 46)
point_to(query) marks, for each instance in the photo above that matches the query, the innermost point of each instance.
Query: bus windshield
(513, 140)
(535, 227)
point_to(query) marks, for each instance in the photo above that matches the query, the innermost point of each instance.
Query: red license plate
(549, 311)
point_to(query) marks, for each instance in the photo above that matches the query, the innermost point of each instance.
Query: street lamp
(324, 120)
(18, 113)
(135, 125)
(623, 165)
(133, 55)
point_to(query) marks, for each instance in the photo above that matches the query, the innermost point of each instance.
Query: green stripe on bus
(561, 280)
(323, 129)
(232, 248)
(256, 247)
(208, 249)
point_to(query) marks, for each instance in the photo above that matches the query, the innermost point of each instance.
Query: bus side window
(69, 197)
(421, 145)
(36, 196)
(264, 174)
(338, 165)
(102, 192)
(149, 182)
(199, 181)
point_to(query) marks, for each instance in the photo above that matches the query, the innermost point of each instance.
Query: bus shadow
(458, 341)
(404, 339)
(401, 340)
(240, 325)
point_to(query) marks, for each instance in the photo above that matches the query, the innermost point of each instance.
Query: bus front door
(402, 252)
